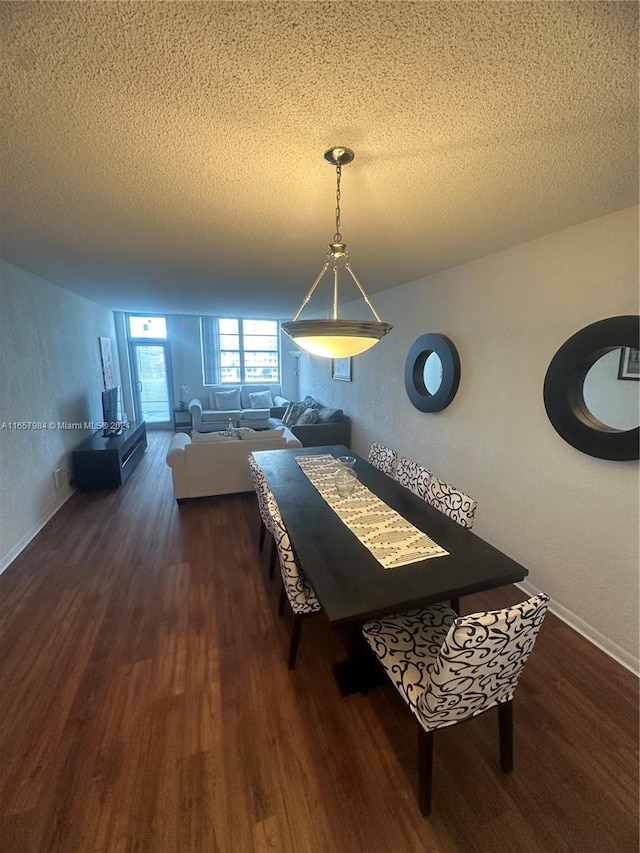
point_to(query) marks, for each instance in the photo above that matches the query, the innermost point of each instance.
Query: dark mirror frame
(417, 391)
(563, 389)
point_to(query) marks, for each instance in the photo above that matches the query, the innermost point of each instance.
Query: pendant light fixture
(336, 338)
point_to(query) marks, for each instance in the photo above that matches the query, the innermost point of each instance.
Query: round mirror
(613, 403)
(432, 373)
(596, 421)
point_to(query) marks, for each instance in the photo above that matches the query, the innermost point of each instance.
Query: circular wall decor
(564, 394)
(414, 373)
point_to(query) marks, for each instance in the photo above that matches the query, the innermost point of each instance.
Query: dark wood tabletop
(350, 583)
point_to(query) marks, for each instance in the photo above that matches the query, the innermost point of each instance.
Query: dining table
(350, 583)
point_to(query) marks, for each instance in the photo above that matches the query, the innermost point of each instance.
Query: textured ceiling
(168, 156)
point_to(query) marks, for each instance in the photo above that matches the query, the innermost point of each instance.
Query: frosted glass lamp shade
(336, 338)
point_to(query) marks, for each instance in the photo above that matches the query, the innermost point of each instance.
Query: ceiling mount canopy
(336, 338)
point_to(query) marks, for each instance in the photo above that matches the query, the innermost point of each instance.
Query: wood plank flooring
(146, 705)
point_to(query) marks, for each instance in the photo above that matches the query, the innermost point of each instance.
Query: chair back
(299, 591)
(451, 501)
(383, 458)
(413, 476)
(262, 491)
(480, 662)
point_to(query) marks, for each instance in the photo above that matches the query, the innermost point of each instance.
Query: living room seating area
(261, 407)
(213, 460)
(245, 406)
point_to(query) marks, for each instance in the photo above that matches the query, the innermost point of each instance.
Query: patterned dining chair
(383, 458)
(454, 504)
(413, 476)
(449, 669)
(295, 585)
(262, 491)
(451, 501)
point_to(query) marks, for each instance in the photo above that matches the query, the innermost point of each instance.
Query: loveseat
(244, 405)
(212, 464)
(314, 424)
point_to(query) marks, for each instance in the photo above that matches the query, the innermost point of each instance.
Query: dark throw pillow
(311, 403)
(329, 416)
(293, 413)
(309, 416)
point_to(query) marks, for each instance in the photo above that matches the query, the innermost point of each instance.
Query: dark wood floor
(145, 705)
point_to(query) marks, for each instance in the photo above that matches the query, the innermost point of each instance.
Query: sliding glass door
(151, 386)
(151, 367)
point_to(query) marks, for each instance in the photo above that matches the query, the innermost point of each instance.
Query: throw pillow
(309, 416)
(311, 403)
(263, 435)
(227, 400)
(280, 401)
(286, 414)
(261, 400)
(329, 416)
(293, 413)
(212, 437)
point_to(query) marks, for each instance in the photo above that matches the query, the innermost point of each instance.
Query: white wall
(50, 371)
(570, 518)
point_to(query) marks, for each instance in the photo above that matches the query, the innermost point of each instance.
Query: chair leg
(263, 530)
(505, 725)
(272, 558)
(454, 603)
(283, 600)
(425, 769)
(295, 639)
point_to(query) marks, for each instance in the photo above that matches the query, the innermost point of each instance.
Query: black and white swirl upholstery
(295, 585)
(383, 458)
(413, 476)
(262, 490)
(452, 502)
(449, 668)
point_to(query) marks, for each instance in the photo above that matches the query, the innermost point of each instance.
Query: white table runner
(392, 540)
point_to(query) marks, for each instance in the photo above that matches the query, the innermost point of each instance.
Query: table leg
(361, 670)
(358, 675)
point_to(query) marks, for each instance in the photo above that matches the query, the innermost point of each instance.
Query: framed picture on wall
(107, 362)
(629, 363)
(341, 369)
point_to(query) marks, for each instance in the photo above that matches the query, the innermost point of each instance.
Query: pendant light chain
(337, 237)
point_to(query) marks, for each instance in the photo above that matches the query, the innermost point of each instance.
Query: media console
(106, 463)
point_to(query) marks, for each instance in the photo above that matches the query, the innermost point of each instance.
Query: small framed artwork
(629, 363)
(108, 373)
(341, 369)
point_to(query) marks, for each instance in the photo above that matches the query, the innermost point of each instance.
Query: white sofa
(217, 465)
(233, 403)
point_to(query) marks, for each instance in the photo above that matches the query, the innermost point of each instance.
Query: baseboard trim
(613, 650)
(7, 559)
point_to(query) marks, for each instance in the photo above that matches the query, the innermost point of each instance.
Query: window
(148, 327)
(236, 350)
